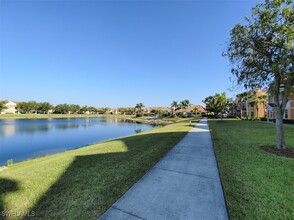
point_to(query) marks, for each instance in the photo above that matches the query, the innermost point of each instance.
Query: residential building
(289, 109)
(250, 104)
(193, 109)
(10, 107)
(153, 110)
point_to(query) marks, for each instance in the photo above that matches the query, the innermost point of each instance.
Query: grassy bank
(257, 185)
(83, 183)
(162, 121)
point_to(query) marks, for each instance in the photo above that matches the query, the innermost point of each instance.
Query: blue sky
(116, 53)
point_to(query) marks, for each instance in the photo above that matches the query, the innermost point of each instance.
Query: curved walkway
(185, 184)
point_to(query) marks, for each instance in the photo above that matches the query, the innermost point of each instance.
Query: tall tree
(61, 109)
(221, 103)
(73, 108)
(44, 107)
(104, 110)
(32, 106)
(208, 101)
(185, 104)
(2, 106)
(139, 107)
(174, 106)
(27, 107)
(92, 110)
(262, 54)
(217, 104)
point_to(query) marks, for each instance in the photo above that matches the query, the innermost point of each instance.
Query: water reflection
(22, 138)
(11, 126)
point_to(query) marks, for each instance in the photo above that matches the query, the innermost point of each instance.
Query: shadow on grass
(6, 186)
(92, 183)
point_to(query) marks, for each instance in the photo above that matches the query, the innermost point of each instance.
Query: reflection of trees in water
(138, 130)
(9, 130)
(20, 126)
(66, 126)
(115, 120)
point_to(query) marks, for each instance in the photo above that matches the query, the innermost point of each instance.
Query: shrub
(288, 121)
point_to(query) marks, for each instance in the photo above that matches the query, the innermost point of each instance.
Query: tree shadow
(92, 183)
(6, 186)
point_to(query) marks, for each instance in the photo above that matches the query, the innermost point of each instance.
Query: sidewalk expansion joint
(190, 174)
(114, 207)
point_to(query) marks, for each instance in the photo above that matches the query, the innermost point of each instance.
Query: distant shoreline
(45, 116)
(130, 118)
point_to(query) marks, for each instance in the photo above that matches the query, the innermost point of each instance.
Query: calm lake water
(22, 139)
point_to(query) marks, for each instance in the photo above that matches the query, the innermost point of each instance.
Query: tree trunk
(279, 129)
(247, 110)
(279, 111)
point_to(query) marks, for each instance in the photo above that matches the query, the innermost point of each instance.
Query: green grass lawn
(257, 185)
(178, 119)
(83, 183)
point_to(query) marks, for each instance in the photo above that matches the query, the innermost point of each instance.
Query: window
(286, 115)
(252, 114)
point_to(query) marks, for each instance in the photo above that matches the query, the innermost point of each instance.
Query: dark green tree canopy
(2, 105)
(262, 50)
(217, 104)
(262, 53)
(185, 104)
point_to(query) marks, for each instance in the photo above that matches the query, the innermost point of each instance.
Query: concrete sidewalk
(185, 184)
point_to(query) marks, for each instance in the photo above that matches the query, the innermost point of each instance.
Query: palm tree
(139, 107)
(174, 106)
(195, 110)
(232, 107)
(257, 100)
(185, 104)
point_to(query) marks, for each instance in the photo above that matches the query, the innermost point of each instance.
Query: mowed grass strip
(83, 183)
(257, 184)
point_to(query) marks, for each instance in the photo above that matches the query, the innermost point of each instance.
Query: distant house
(114, 111)
(153, 110)
(10, 107)
(197, 109)
(121, 111)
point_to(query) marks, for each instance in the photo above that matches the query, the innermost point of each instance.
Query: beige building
(10, 107)
(245, 106)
